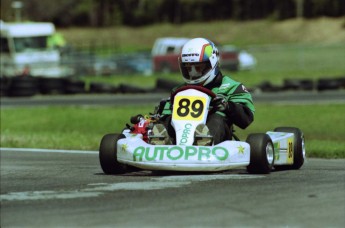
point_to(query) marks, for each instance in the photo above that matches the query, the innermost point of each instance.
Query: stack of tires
(330, 83)
(61, 86)
(25, 86)
(22, 86)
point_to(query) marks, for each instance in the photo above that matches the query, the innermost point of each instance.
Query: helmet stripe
(202, 57)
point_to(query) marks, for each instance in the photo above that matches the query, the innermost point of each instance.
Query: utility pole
(299, 8)
(17, 6)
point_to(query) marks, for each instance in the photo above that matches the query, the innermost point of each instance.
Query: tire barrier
(298, 84)
(20, 86)
(267, 86)
(48, 86)
(132, 89)
(330, 84)
(4, 86)
(163, 85)
(96, 87)
(321, 84)
(74, 87)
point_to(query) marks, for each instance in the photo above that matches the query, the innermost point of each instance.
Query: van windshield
(23, 44)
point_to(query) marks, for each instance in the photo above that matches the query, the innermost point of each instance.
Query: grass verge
(82, 127)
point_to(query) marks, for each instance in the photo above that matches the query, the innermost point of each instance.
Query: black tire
(131, 89)
(328, 84)
(299, 149)
(23, 86)
(74, 87)
(292, 84)
(102, 88)
(261, 153)
(4, 85)
(166, 85)
(108, 155)
(307, 84)
(52, 85)
(267, 86)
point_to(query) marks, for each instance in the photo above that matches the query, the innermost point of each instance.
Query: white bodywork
(283, 147)
(190, 110)
(226, 155)
(185, 125)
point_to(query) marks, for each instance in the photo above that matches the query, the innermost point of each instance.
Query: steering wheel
(199, 88)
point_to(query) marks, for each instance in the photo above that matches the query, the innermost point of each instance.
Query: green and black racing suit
(235, 108)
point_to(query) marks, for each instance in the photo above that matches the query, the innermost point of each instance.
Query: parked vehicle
(246, 61)
(102, 66)
(135, 63)
(166, 50)
(25, 50)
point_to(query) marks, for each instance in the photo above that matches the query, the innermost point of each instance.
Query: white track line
(36, 150)
(99, 189)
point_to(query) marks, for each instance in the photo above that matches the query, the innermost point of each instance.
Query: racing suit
(233, 104)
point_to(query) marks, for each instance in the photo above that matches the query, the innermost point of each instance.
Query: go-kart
(133, 149)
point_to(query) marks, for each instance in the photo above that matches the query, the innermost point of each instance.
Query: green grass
(240, 33)
(82, 128)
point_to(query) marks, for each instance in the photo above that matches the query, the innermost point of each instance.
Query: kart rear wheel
(108, 155)
(299, 149)
(261, 153)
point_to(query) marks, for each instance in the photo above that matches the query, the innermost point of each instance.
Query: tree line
(102, 13)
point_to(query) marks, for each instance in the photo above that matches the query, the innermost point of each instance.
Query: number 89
(185, 107)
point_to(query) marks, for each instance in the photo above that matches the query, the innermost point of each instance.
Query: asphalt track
(68, 189)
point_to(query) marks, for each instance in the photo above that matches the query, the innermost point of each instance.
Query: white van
(25, 50)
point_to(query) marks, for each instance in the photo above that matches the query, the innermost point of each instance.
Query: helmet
(199, 61)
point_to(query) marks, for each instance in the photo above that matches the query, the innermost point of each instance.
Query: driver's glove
(220, 104)
(223, 105)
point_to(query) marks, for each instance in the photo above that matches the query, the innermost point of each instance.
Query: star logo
(240, 149)
(124, 147)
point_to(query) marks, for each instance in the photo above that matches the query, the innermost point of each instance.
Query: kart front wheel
(108, 154)
(299, 148)
(261, 153)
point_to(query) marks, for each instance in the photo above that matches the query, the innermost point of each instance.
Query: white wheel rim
(303, 147)
(270, 153)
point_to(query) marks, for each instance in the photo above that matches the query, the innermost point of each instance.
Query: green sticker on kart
(163, 153)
